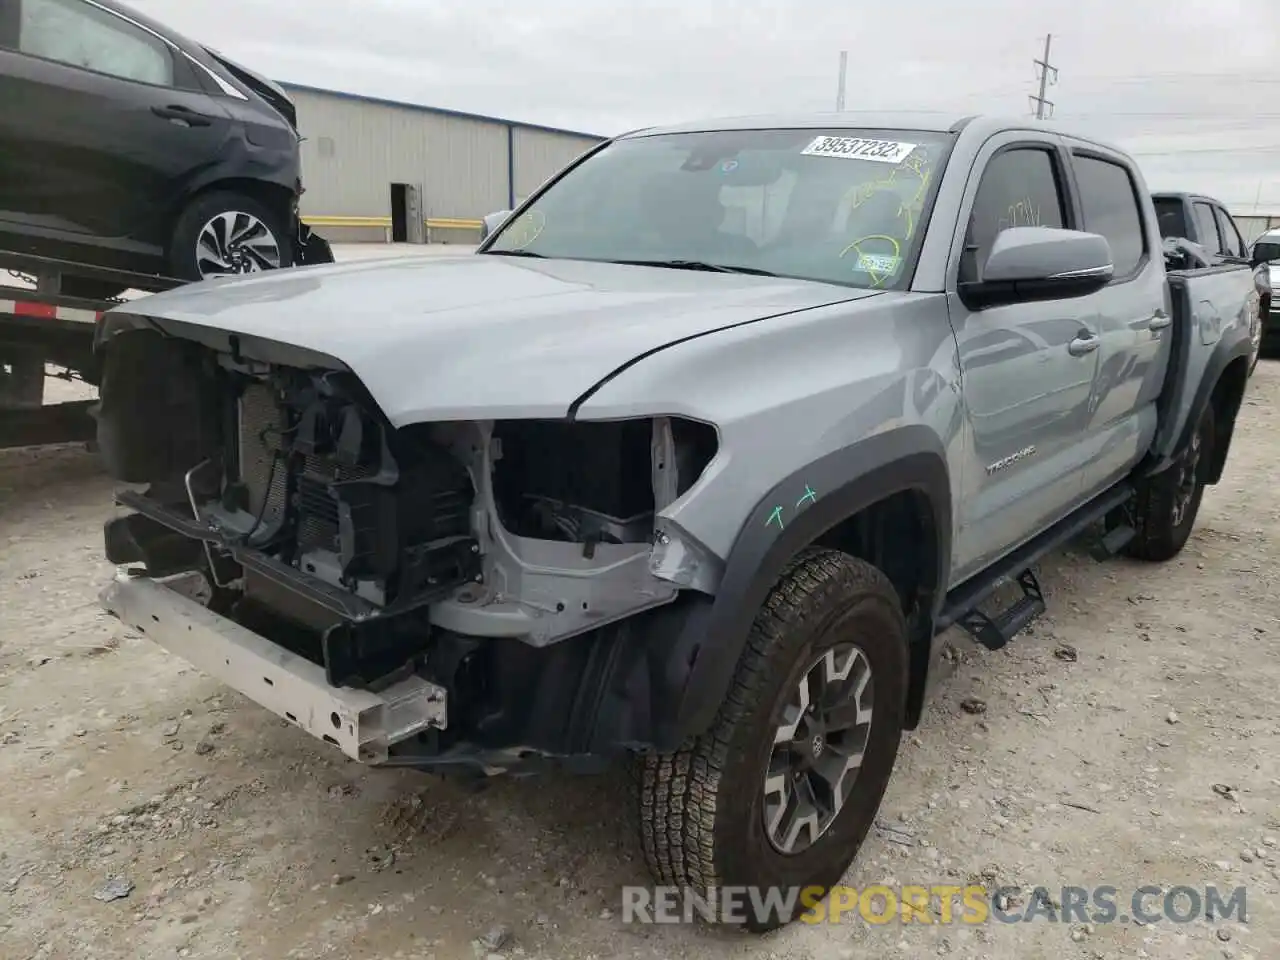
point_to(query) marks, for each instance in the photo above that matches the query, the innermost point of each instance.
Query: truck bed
(1206, 303)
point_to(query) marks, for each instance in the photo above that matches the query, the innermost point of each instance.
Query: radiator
(262, 425)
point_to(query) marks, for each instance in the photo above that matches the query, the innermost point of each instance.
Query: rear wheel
(782, 790)
(226, 234)
(1167, 504)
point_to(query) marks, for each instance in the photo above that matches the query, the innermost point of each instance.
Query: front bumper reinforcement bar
(362, 724)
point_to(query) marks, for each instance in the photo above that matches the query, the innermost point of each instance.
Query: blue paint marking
(809, 496)
(775, 517)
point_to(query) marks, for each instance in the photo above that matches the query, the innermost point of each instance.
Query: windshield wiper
(697, 265)
(516, 253)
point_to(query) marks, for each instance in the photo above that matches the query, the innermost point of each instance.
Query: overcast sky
(1191, 86)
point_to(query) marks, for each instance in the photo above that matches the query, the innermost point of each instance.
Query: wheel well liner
(275, 195)
(905, 467)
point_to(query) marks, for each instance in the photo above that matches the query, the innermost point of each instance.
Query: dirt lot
(1133, 738)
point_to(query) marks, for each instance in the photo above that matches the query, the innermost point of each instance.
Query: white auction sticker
(879, 263)
(858, 148)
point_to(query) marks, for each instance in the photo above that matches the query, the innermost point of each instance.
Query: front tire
(1167, 504)
(227, 234)
(782, 790)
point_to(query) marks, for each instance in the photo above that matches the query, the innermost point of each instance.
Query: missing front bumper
(362, 724)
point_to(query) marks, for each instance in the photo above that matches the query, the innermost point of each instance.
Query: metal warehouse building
(382, 170)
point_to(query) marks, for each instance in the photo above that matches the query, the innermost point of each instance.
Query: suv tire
(225, 233)
(712, 815)
(1166, 506)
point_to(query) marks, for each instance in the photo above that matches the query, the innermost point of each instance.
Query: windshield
(839, 206)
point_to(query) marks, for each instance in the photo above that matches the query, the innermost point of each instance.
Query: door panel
(1134, 350)
(109, 128)
(1027, 370)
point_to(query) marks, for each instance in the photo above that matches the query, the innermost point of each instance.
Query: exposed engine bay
(376, 551)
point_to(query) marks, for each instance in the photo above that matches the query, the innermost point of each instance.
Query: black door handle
(184, 114)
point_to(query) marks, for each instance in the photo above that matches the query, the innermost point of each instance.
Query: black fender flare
(792, 515)
(1224, 354)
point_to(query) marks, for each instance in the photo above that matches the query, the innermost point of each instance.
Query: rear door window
(1109, 202)
(82, 35)
(1207, 228)
(1232, 242)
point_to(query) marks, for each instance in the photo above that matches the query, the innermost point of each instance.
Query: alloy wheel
(1188, 479)
(236, 242)
(818, 749)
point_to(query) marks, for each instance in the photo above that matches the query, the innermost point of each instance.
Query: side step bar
(993, 632)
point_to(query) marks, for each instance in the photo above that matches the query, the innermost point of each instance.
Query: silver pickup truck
(686, 467)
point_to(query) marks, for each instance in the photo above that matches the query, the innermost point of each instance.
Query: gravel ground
(1132, 738)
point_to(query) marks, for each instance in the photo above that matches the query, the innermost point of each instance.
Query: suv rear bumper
(362, 724)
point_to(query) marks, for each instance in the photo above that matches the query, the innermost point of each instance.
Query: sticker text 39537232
(859, 148)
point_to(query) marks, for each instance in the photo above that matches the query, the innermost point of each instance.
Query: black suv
(125, 145)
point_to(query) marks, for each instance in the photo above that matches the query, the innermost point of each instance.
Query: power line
(1044, 68)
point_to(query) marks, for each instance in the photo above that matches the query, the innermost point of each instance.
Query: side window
(82, 35)
(1232, 242)
(1019, 188)
(1110, 207)
(1207, 228)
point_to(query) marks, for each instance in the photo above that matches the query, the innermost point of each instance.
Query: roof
(303, 88)
(1184, 195)
(924, 121)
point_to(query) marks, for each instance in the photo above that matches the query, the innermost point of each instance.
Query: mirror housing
(491, 223)
(1029, 264)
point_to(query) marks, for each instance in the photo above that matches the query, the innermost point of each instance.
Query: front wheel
(780, 793)
(226, 234)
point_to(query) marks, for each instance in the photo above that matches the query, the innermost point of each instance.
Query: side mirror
(1041, 263)
(492, 222)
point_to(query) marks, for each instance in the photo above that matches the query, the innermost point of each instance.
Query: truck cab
(687, 467)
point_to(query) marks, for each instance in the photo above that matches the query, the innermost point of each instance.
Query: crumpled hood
(474, 336)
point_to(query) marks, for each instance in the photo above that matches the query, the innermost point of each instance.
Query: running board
(1113, 541)
(961, 606)
(995, 632)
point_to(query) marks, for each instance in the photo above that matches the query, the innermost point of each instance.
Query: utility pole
(844, 67)
(1048, 74)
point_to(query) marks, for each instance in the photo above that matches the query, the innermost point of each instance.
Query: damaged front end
(489, 595)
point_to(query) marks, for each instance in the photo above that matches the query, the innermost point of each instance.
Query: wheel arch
(1222, 390)
(892, 485)
(278, 197)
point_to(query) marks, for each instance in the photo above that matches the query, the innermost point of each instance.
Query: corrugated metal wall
(1254, 225)
(355, 149)
(539, 155)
